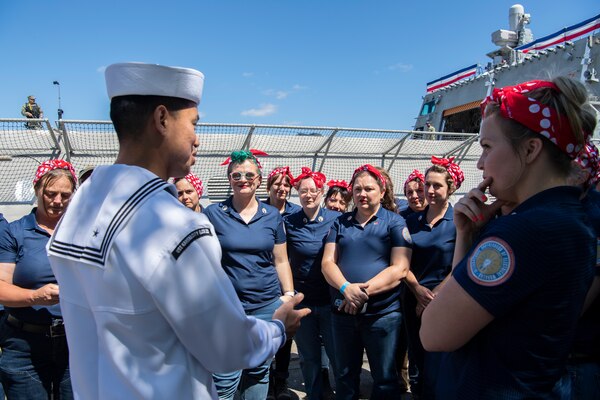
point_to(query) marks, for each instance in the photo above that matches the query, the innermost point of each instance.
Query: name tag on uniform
(197, 234)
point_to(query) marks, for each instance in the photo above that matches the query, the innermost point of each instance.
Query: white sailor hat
(124, 79)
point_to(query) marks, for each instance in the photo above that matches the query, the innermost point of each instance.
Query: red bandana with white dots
(50, 165)
(196, 183)
(541, 118)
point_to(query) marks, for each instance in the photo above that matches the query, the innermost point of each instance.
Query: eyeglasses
(237, 176)
(312, 192)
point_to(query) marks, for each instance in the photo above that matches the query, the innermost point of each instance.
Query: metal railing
(332, 150)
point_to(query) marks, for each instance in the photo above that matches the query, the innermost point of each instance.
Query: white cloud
(299, 87)
(101, 69)
(263, 111)
(247, 74)
(400, 67)
(278, 94)
(202, 115)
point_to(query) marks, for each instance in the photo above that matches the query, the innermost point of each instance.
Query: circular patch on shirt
(406, 235)
(491, 263)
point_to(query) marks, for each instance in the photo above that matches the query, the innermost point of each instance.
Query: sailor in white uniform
(148, 310)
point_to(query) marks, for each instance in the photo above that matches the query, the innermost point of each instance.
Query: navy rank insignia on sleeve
(193, 235)
(491, 263)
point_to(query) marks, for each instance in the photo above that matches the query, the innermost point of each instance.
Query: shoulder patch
(406, 235)
(184, 244)
(491, 263)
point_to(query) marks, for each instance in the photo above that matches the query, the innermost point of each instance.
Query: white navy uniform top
(148, 310)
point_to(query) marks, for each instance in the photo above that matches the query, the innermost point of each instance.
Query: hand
(28, 114)
(356, 294)
(291, 317)
(423, 295)
(285, 298)
(349, 308)
(47, 295)
(471, 213)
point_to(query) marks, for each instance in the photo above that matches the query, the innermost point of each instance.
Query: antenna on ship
(517, 35)
(60, 110)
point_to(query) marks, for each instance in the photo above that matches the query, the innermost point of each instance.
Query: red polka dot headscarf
(416, 175)
(285, 171)
(195, 182)
(50, 165)
(453, 169)
(588, 159)
(318, 177)
(515, 104)
(371, 169)
(339, 183)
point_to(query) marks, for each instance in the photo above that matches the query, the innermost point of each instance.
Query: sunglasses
(237, 176)
(311, 191)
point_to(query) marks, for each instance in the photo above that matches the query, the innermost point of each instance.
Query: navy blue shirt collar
(263, 209)
(30, 223)
(318, 218)
(377, 215)
(448, 215)
(288, 209)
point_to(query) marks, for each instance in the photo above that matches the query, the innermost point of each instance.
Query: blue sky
(345, 63)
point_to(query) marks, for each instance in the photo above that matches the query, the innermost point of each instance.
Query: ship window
(428, 108)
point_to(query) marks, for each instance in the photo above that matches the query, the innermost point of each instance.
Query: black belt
(57, 328)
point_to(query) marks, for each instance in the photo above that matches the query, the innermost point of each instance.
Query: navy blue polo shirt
(248, 251)
(305, 244)
(531, 270)
(364, 252)
(402, 206)
(432, 247)
(3, 232)
(290, 208)
(25, 246)
(587, 336)
(404, 213)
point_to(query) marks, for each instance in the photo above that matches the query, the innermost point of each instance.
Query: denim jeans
(33, 365)
(254, 382)
(378, 335)
(580, 382)
(2, 317)
(308, 338)
(280, 369)
(416, 352)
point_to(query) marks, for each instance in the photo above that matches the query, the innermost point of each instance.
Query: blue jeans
(308, 338)
(33, 365)
(580, 382)
(254, 382)
(378, 335)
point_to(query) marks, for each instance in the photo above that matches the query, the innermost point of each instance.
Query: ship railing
(335, 151)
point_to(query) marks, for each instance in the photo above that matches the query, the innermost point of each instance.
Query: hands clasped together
(355, 298)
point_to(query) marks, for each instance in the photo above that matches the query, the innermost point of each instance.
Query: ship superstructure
(452, 102)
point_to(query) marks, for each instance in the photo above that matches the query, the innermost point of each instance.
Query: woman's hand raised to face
(471, 212)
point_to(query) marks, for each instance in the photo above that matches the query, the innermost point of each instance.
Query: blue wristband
(344, 286)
